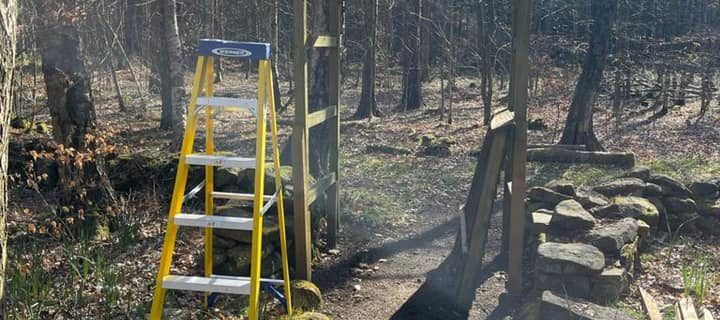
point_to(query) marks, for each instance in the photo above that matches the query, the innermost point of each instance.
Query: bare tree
(368, 105)
(172, 78)
(412, 86)
(67, 80)
(579, 123)
(8, 33)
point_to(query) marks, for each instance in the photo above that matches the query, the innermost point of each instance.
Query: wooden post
(333, 206)
(303, 243)
(519, 96)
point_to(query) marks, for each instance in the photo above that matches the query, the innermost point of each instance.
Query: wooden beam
(687, 309)
(650, 306)
(326, 41)
(321, 116)
(620, 159)
(479, 208)
(706, 315)
(334, 91)
(303, 243)
(520, 70)
(559, 146)
(319, 187)
(502, 119)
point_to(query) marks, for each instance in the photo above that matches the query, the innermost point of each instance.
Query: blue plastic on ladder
(234, 49)
(266, 286)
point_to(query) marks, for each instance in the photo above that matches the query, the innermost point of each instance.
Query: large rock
(679, 205)
(652, 190)
(639, 172)
(621, 187)
(590, 199)
(704, 190)
(658, 203)
(569, 259)
(225, 177)
(562, 186)
(578, 286)
(709, 208)
(609, 285)
(560, 307)
(611, 238)
(638, 208)
(237, 260)
(670, 186)
(571, 216)
(545, 195)
(608, 211)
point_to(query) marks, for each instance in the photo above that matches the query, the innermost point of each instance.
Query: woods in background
(419, 41)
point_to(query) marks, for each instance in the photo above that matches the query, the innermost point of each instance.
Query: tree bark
(173, 109)
(486, 65)
(412, 86)
(8, 33)
(318, 95)
(368, 104)
(579, 123)
(66, 79)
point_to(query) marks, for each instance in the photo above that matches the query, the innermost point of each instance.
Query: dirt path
(387, 270)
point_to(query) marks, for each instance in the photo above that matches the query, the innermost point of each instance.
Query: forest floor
(398, 210)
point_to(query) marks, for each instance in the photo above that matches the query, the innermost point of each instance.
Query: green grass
(686, 169)
(630, 311)
(697, 278)
(579, 175)
(391, 187)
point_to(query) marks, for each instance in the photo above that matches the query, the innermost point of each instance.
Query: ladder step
(238, 196)
(246, 104)
(220, 161)
(218, 222)
(231, 285)
(216, 283)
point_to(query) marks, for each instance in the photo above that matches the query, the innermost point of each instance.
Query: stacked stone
(231, 248)
(590, 237)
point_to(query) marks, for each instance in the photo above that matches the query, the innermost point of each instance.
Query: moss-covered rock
(20, 123)
(638, 208)
(306, 295)
(42, 127)
(309, 316)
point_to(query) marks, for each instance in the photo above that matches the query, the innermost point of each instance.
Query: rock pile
(231, 248)
(590, 236)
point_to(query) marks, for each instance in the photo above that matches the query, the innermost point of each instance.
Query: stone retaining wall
(589, 238)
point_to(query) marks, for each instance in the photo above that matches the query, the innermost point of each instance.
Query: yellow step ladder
(202, 102)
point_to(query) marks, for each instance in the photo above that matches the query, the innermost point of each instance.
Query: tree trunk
(318, 68)
(8, 33)
(412, 86)
(67, 82)
(486, 65)
(368, 105)
(426, 24)
(173, 109)
(579, 123)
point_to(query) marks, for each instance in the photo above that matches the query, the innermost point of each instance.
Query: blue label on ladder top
(234, 49)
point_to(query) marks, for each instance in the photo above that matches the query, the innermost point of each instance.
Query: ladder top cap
(234, 49)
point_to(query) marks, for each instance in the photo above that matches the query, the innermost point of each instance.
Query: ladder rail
(209, 172)
(177, 197)
(256, 250)
(279, 194)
